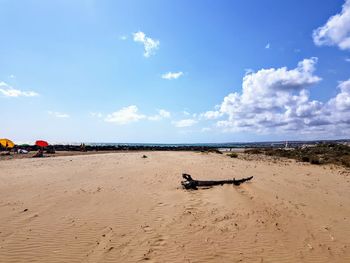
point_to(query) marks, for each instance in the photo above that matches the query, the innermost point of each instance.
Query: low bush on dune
(315, 160)
(345, 160)
(232, 155)
(253, 151)
(316, 154)
(215, 151)
(305, 159)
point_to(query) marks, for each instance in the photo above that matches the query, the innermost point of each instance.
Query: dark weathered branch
(190, 183)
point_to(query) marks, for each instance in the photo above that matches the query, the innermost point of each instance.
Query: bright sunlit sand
(119, 207)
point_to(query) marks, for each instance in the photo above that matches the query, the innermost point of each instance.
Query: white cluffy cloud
(162, 114)
(58, 114)
(8, 91)
(172, 75)
(184, 123)
(336, 32)
(341, 102)
(125, 115)
(211, 115)
(277, 100)
(268, 46)
(131, 114)
(150, 45)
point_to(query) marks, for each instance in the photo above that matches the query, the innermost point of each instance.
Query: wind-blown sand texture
(119, 207)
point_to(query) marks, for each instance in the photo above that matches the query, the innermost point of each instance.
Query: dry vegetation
(232, 155)
(319, 154)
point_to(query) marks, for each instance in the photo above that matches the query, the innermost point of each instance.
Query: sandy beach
(119, 207)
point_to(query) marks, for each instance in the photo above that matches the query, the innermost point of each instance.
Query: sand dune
(119, 207)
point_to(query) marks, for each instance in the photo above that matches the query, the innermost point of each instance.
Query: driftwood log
(190, 183)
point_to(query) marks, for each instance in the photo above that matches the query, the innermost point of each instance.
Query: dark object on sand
(51, 150)
(215, 151)
(233, 155)
(144, 156)
(39, 154)
(83, 147)
(189, 183)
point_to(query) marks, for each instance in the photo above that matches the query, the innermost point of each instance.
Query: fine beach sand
(119, 207)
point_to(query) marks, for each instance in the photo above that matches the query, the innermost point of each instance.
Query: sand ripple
(122, 208)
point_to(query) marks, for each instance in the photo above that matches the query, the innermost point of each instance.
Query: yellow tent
(6, 143)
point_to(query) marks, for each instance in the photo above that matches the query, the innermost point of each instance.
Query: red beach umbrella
(42, 143)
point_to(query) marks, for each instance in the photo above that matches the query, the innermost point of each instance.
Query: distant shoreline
(180, 147)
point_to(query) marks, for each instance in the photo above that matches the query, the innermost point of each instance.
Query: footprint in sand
(147, 228)
(159, 242)
(102, 246)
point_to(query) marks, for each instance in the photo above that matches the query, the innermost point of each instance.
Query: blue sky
(174, 71)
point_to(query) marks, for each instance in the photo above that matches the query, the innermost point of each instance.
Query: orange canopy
(6, 143)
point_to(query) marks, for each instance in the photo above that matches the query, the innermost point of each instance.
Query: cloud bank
(336, 31)
(277, 100)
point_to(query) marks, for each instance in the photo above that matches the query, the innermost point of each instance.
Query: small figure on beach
(39, 154)
(82, 147)
(51, 150)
